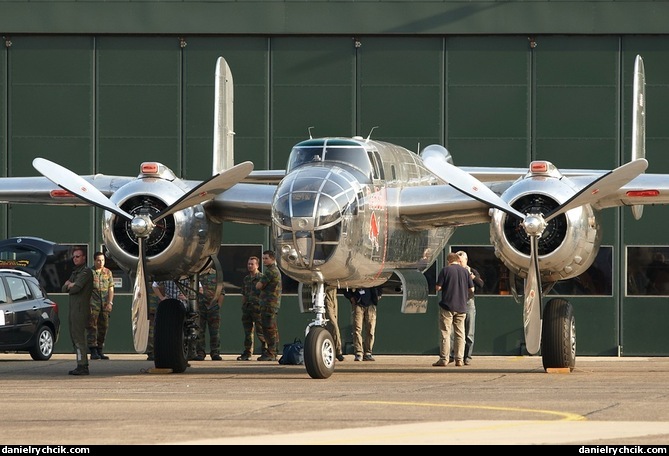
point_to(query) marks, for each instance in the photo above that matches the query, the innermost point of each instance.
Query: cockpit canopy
(347, 151)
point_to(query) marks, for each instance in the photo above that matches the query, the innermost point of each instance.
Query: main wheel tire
(558, 335)
(44, 344)
(170, 348)
(319, 353)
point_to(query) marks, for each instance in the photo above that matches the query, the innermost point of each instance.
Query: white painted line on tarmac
(458, 433)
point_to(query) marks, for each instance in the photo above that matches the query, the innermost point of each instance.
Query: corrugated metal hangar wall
(102, 87)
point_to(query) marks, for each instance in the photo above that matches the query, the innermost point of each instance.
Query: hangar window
(595, 281)
(647, 271)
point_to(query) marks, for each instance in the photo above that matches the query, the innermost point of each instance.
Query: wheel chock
(159, 370)
(558, 370)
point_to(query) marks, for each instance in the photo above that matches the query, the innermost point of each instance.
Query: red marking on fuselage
(374, 227)
(377, 200)
(378, 222)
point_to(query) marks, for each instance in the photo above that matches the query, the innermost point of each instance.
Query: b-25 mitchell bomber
(350, 212)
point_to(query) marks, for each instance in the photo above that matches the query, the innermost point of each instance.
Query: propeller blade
(465, 182)
(208, 189)
(532, 305)
(140, 318)
(604, 185)
(76, 185)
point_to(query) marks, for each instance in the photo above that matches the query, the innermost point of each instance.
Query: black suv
(29, 320)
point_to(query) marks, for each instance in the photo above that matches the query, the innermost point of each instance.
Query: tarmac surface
(396, 400)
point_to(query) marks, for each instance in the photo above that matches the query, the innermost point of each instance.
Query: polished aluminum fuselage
(337, 217)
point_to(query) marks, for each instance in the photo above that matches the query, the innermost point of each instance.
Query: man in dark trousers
(455, 284)
(80, 288)
(332, 315)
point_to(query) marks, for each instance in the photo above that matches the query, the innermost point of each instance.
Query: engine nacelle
(570, 242)
(180, 244)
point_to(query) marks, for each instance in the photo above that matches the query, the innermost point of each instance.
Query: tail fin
(224, 156)
(639, 121)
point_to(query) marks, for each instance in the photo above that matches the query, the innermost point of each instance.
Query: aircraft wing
(442, 205)
(494, 174)
(644, 189)
(265, 176)
(244, 203)
(499, 174)
(427, 207)
(40, 190)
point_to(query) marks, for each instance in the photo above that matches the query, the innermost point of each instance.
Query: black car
(29, 319)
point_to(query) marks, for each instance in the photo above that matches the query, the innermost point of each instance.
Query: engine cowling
(180, 244)
(570, 242)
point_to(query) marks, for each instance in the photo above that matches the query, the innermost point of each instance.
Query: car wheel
(44, 343)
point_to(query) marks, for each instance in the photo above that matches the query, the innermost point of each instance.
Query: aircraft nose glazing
(308, 214)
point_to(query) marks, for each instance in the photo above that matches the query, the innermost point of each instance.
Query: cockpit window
(347, 152)
(302, 155)
(354, 156)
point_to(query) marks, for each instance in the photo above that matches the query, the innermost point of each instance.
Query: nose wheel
(319, 353)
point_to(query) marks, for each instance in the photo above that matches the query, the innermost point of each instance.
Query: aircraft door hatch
(414, 290)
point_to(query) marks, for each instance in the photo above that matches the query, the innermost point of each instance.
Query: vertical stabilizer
(224, 156)
(639, 121)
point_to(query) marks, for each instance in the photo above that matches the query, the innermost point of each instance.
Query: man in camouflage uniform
(102, 301)
(209, 315)
(79, 287)
(251, 318)
(270, 301)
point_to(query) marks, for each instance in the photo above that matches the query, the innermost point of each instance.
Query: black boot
(80, 370)
(94, 352)
(102, 355)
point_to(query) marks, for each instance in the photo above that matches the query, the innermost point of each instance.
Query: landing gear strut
(319, 349)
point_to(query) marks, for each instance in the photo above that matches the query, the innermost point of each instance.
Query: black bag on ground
(293, 353)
